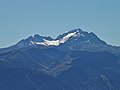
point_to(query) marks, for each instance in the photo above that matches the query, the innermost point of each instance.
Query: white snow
(53, 42)
(41, 43)
(56, 42)
(82, 35)
(64, 39)
(32, 42)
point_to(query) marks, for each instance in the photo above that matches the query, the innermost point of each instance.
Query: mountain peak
(72, 31)
(74, 36)
(56, 42)
(75, 39)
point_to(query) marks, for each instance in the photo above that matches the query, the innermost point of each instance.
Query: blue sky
(22, 18)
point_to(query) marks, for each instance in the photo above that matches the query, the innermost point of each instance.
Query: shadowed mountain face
(76, 60)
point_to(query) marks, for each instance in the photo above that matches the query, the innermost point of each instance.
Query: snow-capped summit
(75, 39)
(57, 42)
(69, 38)
(78, 31)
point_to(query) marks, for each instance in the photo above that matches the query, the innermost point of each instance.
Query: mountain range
(75, 60)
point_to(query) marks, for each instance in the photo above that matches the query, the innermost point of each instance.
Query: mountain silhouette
(75, 60)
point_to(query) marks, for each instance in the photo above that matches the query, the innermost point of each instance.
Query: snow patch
(56, 42)
(64, 39)
(82, 35)
(53, 42)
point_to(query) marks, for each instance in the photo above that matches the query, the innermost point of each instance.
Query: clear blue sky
(22, 18)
